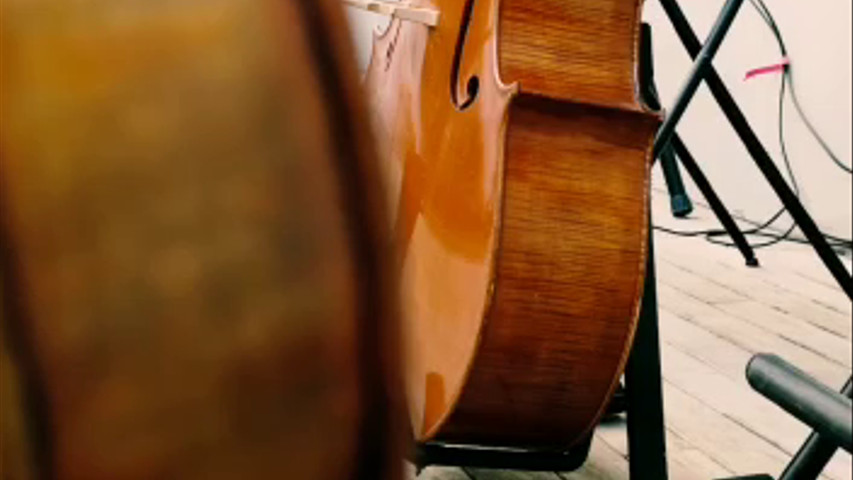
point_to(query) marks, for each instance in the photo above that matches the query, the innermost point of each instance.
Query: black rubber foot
(681, 206)
(753, 263)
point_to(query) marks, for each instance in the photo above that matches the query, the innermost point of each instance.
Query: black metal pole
(826, 411)
(714, 201)
(644, 388)
(702, 62)
(815, 454)
(758, 152)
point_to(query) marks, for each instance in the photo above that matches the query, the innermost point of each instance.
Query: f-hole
(472, 87)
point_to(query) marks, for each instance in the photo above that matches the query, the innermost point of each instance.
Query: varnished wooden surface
(570, 272)
(444, 172)
(192, 270)
(584, 51)
(715, 314)
(520, 211)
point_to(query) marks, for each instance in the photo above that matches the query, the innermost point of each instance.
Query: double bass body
(517, 153)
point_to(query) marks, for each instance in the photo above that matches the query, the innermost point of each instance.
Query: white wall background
(818, 36)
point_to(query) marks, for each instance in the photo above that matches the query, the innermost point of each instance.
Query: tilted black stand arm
(815, 454)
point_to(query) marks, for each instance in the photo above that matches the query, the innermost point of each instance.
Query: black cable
(759, 231)
(764, 11)
(796, 101)
(788, 77)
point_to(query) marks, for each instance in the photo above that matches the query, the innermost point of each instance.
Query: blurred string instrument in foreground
(192, 257)
(517, 153)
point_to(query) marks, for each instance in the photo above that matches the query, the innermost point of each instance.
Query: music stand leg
(756, 149)
(714, 201)
(677, 147)
(701, 66)
(680, 203)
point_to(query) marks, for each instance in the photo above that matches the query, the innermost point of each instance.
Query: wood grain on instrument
(569, 274)
(519, 155)
(581, 51)
(193, 243)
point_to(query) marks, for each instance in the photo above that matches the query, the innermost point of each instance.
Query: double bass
(191, 247)
(516, 151)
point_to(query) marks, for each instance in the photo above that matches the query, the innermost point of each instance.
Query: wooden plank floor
(715, 314)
